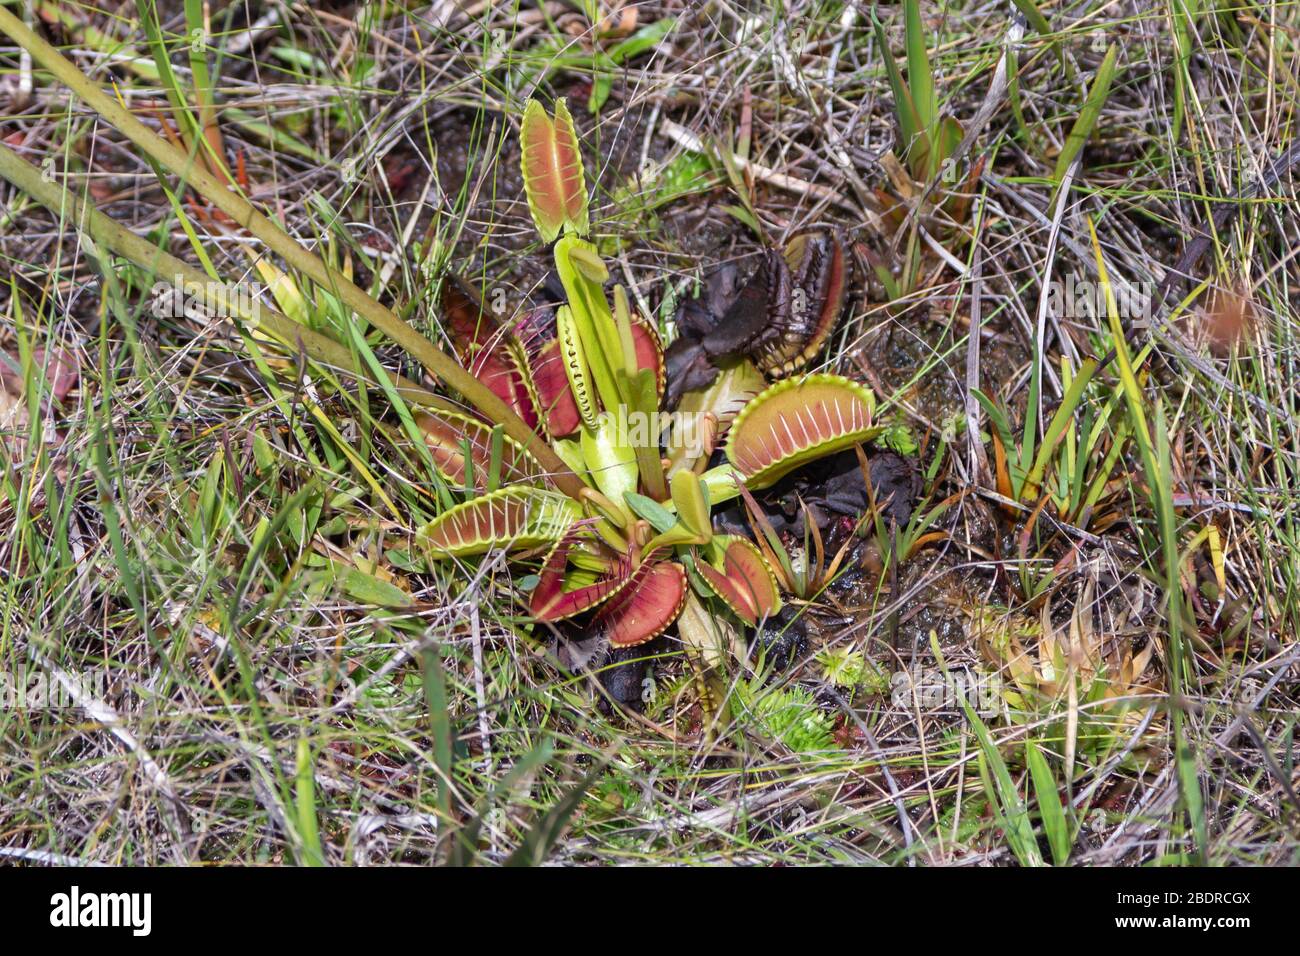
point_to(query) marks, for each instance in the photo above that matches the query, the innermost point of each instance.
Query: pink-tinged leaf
(447, 435)
(646, 606)
(470, 327)
(555, 402)
(60, 369)
(569, 161)
(745, 583)
(796, 421)
(485, 349)
(511, 518)
(541, 180)
(649, 351)
(552, 166)
(550, 602)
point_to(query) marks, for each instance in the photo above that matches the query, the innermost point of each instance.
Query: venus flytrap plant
(627, 548)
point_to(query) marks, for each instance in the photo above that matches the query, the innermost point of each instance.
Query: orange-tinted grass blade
(924, 540)
(817, 564)
(892, 211)
(1000, 464)
(959, 202)
(769, 541)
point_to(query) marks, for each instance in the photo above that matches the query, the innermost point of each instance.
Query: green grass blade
(909, 121)
(1156, 463)
(1087, 119)
(435, 692)
(1003, 795)
(1050, 810)
(466, 842)
(1060, 422)
(920, 79)
(547, 830)
(311, 853)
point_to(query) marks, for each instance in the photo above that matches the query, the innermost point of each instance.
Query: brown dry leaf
(62, 375)
(899, 178)
(620, 22)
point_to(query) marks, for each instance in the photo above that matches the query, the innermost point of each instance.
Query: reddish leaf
(646, 606)
(649, 351)
(555, 400)
(512, 518)
(798, 420)
(447, 435)
(745, 583)
(485, 349)
(549, 600)
(822, 271)
(552, 167)
(61, 371)
(569, 165)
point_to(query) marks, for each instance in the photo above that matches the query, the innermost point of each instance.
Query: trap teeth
(820, 273)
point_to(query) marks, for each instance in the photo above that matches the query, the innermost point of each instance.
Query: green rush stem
(242, 212)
